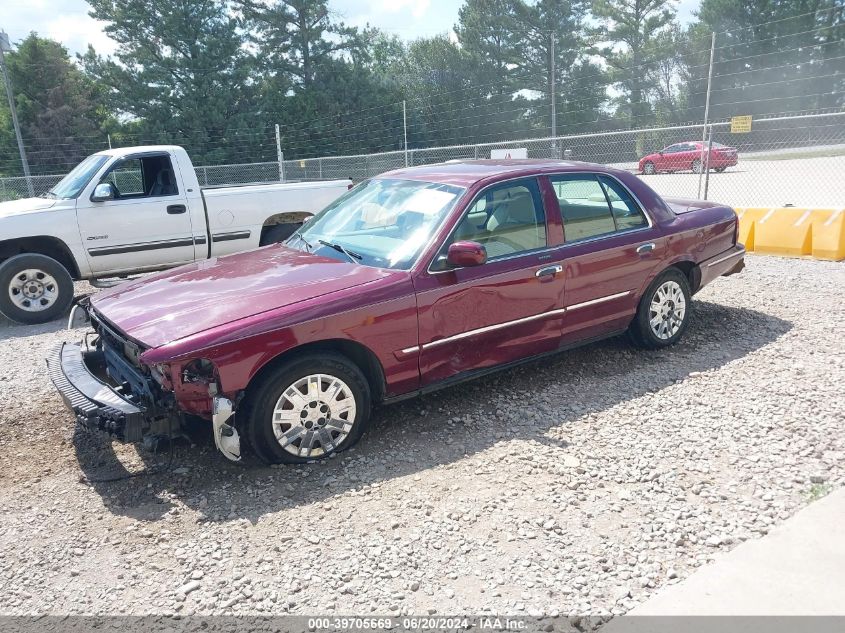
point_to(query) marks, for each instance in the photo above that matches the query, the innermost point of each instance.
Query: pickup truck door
(610, 250)
(146, 226)
(504, 310)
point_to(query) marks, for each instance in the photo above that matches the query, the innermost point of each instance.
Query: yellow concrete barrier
(747, 219)
(793, 231)
(829, 234)
(785, 231)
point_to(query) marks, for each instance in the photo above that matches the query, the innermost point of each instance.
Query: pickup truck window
(72, 185)
(385, 222)
(143, 177)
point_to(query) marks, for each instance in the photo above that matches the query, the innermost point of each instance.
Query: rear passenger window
(626, 213)
(583, 206)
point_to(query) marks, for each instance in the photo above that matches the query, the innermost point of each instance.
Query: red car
(414, 280)
(688, 155)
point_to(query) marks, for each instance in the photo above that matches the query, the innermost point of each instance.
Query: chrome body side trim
(591, 302)
(491, 328)
(726, 258)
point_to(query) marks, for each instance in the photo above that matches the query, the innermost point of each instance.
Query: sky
(68, 22)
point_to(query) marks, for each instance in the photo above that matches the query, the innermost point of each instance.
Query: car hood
(24, 205)
(168, 306)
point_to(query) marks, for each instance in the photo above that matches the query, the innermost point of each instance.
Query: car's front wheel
(34, 288)
(648, 168)
(664, 311)
(307, 409)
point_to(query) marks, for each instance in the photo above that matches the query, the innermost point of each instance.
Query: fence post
(3, 194)
(205, 175)
(706, 112)
(320, 165)
(280, 157)
(405, 129)
(709, 154)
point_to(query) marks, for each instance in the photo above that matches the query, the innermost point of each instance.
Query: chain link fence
(782, 161)
(794, 160)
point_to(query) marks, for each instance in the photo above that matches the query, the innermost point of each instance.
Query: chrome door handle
(549, 270)
(645, 248)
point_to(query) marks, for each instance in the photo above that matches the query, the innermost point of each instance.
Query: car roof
(465, 173)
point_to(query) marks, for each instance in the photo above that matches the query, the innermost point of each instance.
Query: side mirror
(660, 152)
(102, 192)
(466, 253)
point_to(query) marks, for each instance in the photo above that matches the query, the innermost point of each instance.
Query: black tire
(278, 233)
(640, 330)
(719, 169)
(648, 168)
(261, 400)
(46, 267)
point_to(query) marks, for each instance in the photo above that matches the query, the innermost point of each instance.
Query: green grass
(817, 491)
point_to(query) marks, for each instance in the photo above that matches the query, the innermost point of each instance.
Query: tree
(772, 56)
(296, 37)
(60, 110)
(579, 84)
(487, 32)
(182, 73)
(635, 25)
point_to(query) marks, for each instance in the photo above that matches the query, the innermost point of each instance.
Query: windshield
(71, 185)
(380, 222)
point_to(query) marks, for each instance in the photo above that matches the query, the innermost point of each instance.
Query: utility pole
(552, 91)
(6, 46)
(706, 115)
(280, 156)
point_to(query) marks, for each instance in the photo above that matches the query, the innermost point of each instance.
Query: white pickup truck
(132, 210)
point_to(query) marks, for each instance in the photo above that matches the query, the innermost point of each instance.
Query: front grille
(117, 342)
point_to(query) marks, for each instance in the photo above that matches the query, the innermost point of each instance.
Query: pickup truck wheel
(34, 288)
(307, 410)
(278, 233)
(664, 311)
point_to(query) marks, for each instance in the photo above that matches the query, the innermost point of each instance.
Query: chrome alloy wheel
(314, 415)
(667, 311)
(33, 290)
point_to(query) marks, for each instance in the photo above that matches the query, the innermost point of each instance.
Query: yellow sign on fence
(741, 124)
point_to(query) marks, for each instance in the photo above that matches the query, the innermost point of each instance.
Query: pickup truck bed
(132, 210)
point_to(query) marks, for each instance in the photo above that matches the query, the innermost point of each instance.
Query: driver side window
(142, 177)
(126, 178)
(505, 219)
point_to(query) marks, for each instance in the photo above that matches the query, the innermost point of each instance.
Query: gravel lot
(578, 485)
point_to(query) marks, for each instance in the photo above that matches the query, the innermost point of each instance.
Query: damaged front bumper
(97, 405)
(117, 411)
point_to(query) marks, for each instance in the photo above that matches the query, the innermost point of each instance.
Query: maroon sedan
(413, 280)
(688, 155)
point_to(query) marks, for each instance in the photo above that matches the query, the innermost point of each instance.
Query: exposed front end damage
(110, 390)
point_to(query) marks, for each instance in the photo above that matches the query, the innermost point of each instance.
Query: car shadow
(422, 433)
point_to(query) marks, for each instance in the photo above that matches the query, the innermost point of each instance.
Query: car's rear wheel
(307, 409)
(664, 311)
(34, 288)
(696, 166)
(648, 168)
